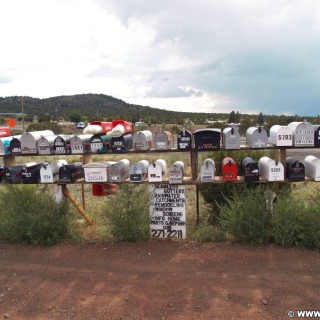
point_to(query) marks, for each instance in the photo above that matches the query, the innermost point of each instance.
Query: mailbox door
(184, 140)
(155, 173)
(15, 147)
(207, 171)
(316, 136)
(13, 174)
(206, 140)
(251, 172)
(229, 170)
(122, 144)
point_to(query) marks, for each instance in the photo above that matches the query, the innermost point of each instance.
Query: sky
(212, 56)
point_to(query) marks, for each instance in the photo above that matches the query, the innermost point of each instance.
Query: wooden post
(9, 161)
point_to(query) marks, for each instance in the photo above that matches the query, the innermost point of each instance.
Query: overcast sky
(183, 55)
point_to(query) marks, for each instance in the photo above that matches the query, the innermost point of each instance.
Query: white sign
(167, 211)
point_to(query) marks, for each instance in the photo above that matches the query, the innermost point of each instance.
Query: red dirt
(157, 280)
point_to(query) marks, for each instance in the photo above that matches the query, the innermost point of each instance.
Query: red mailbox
(104, 189)
(229, 169)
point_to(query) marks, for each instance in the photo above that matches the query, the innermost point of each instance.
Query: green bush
(206, 233)
(127, 212)
(29, 215)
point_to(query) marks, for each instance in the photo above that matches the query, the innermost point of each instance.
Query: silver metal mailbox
(176, 173)
(119, 171)
(185, 140)
(207, 170)
(157, 171)
(97, 171)
(303, 133)
(139, 172)
(163, 140)
(46, 145)
(281, 136)
(271, 170)
(142, 140)
(256, 137)
(80, 144)
(29, 140)
(231, 138)
(312, 167)
(61, 144)
(49, 173)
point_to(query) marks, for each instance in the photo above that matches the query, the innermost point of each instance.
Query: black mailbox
(1, 171)
(207, 139)
(249, 170)
(15, 147)
(316, 135)
(184, 140)
(295, 170)
(31, 174)
(71, 172)
(122, 144)
(12, 174)
(61, 144)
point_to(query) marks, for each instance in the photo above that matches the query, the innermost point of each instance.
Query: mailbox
(1, 171)
(46, 144)
(120, 127)
(231, 138)
(207, 170)
(185, 140)
(5, 145)
(207, 139)
(281, 136)
(122, 144)
(31, 174)
(29, 140)
(71, 172)
(100, 143)
(49, 172)
(256, 137)
(303, 133)
(271, 170)
(295, 170)
(61, 144)
(139, 171)
(98, 127)
(80, 144)
(104, 189)
(119, 171)
(15, 146)
(97, 171)
(142, 140)
(157, 170)
(176, 173)
(316, 135)
(163, 140)
(229, 169)
(249, 170)
(13, 174)
(312, 167)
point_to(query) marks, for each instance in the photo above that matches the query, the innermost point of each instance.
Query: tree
(234, 117)
(260, 119)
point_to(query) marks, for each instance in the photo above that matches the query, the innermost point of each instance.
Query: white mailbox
(119, 171)
(97, 171)
(80, 144)
(312, 167)
(303, 134)
(49, 173)
(281, 136)
(207, 170)
(46, 145)
(270, 169)
(5, 144)
(231, 138)
(157, 170)
(256, 137)
(139, 172)
(176, 173)
(29, 140)
(142, 140)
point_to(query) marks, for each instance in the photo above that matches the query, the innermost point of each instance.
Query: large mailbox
(163, 140)
(98, 127)
(46, 144)
(15, 146)
(139, 172)
(303, 133)
(71, 172)
(29, 140)
(295, 170)
(229, 169)
(256, 137)
(312, 167)
(142, 140)
(80, 144)
(49, 172)
(13, 174)
(157, 171)
(100, 143)
(249, 169)
(31, 174)
(316, 135)
(207, 139)
(119, 171)
(97, 171)
(271, 170)
(176, 173)
(281, 136)
(122, 144)
(207, 170)
(61, 144)
(185, 140)
(231, 138)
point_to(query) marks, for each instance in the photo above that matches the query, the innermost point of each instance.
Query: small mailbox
(13, 174)
(271, 170)
(142, 140)
(71, 172)
(249, 170)
(5, 145)
(119, 171)
(29, 140)
(100, 143)
(312, 167)
(139, 171)
(31, 174)
(61, 144)
(303, 133)
(185, 140)
(122, 144)
(231, 138)
(163, 140)
(295, 170)
(281, 136)
(49, 172)
(46, 144)
(207, 170)
(207, 139)
(256, 137)
(316, 135)
(80, 144)
(97, 171)
(15, 146)
(176, 173)
(229, 169)
(157, 171)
